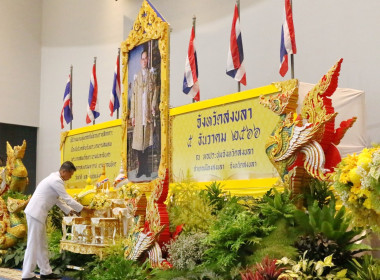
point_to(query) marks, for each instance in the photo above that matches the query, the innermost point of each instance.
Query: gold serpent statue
(12, 228)
(304, 147)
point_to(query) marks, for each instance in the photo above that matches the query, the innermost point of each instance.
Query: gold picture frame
(148, 27)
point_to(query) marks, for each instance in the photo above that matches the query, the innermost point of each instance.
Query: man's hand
(86, 208)
(72, 213)
(133, 121)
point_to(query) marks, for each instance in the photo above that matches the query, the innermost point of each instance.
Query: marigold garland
(357, 184)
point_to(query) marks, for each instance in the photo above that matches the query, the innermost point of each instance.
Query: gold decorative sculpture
(304, 147)
(156, 229)
(11, 227)
(17, 175)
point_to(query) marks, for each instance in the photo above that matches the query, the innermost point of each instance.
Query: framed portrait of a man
(145, 97)
(144, 130)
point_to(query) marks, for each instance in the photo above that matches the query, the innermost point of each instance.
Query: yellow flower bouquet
(128, 191)
(100, 202)
(357, 183)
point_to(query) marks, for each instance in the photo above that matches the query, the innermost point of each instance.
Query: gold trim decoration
(85, 249)
(234, 97)
(285, 101)
(63, 139)
(148, 26)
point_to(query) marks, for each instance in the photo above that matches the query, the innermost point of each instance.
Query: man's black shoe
(139, 174)
(51, 276)
(33, 278)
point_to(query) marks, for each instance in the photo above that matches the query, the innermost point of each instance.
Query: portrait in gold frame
(149, 29)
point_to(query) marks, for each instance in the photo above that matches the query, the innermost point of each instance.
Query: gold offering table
(95, 231)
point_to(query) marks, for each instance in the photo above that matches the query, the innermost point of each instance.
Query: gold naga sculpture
(12, 229)
(16, 173)
(304, 146)
(156, 232)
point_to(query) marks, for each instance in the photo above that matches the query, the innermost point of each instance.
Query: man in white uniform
(49, 192)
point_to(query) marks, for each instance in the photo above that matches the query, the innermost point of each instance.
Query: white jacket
(47, 194)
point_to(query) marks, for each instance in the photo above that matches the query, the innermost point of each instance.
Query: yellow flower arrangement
(128, 191)
(358, 185)
(100, 201)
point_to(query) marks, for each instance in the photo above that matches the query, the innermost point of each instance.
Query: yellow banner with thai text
(223, 139)
(91, 149)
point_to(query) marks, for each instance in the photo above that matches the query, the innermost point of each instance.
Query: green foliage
(117, 268)
(186, 206)
(265, 270)
(277, 244)
(317, 247)
(13, 194)
(365, 269)
(57, 263)
(310, 269)
(199, 273)
(318, 191)
(334, 225)
(187, 250)
(14, 256)
(116, 249)
(275, 206)
(233, 235)
(56, 215)
(217, 197)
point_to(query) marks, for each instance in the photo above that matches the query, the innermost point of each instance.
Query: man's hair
(144, 50)
(68, 166)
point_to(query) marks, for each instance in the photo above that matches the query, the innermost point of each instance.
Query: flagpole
(118, 70)
(194, 24)
(93, 122)
(238, 7)
(71, 96)
(291, 55)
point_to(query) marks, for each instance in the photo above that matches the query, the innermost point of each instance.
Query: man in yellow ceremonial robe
(143, 106)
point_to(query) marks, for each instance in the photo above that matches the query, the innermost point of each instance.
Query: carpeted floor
(10, 274)
(15, 274)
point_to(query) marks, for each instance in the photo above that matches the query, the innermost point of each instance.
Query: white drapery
(348, 103)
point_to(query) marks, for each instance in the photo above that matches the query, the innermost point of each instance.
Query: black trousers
(142, 157)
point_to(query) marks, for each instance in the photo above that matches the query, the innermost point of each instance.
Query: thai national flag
(288, 38)
(115, 94)
(235, 60)
(66, 109)
(92, 108)
(190, 80)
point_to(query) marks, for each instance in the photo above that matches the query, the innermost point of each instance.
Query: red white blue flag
(66, 109)
(235, 60)
(92, 107)
(190, 80)
(288, 38)
(115, 94)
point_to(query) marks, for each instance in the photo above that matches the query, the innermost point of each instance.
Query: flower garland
(357, 183)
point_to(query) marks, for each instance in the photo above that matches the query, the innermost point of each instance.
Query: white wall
(74, 31)
(20, 61)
